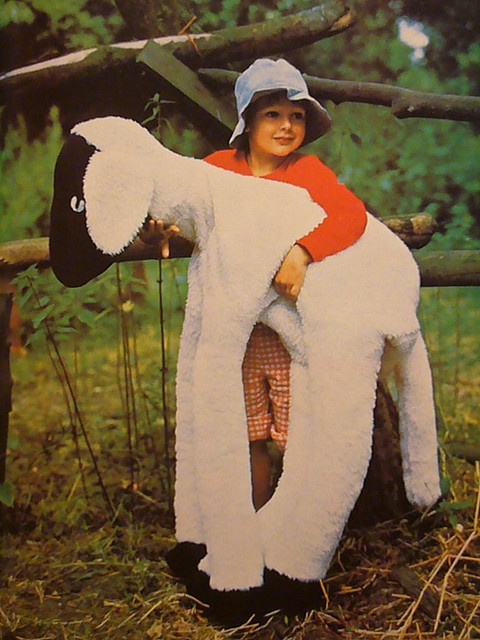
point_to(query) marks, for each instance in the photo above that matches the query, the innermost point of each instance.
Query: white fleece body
(355, 320)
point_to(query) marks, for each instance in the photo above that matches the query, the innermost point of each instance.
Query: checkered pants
(266, 385)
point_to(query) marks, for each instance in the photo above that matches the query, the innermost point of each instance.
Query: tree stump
(383, 495)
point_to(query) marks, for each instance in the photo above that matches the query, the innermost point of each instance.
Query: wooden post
(6, 300)
(219, 114)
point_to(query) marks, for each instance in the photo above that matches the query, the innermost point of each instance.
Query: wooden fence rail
(437, 268)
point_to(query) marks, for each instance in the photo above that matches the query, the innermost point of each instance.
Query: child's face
(277, 129)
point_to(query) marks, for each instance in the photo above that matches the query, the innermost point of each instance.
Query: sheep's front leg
(329, 446)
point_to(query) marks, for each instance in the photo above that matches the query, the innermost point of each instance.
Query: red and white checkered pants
(266, 386)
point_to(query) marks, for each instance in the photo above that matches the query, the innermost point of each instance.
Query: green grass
(450, 321)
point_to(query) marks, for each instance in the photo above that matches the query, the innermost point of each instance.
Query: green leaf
(450, 507)
(41, 316)
(87, 317)
(13, 443)
(7, 494)
(445, 486)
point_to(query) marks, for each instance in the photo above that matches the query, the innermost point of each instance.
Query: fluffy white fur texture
(355, 320)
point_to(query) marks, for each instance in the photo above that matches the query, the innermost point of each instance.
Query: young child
(277, 116)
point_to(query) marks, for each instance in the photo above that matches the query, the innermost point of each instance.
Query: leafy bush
(26, 187)
(40, 28)
(42, 297)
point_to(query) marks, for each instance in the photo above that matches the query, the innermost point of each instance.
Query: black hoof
(292, 596)
(183, 559)
(234, 608)
(226, 608)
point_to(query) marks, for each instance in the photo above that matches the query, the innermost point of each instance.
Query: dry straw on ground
(412, 579)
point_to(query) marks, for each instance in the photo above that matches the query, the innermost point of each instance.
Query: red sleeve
(346, 215)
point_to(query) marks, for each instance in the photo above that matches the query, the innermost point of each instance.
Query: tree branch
(227, 45)
(404, 103)
(269, 37)
(416, 231)
(448, 268)
(437, 269)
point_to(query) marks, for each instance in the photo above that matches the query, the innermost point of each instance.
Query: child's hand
(155, 232)
(291, 274)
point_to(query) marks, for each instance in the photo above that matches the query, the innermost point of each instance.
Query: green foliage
(222, 14)
(72, 24)
(469, 62)
(43, 299)
(365, 52)
(7, 494)
(399, 167)
(164, 122)
(455, 509)
(16, 13)
(27, 180)
(217, 15)
(449, 320)
(453, 29)
(67, 313)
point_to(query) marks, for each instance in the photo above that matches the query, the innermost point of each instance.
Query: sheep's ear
(118, 191)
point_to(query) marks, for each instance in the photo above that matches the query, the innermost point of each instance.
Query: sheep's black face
(74, 257)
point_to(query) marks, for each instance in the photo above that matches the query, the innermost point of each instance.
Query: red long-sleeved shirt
(346, 216)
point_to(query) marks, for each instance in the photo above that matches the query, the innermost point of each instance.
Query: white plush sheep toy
(354, 322)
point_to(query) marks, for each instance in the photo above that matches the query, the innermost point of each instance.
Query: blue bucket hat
(267, 76)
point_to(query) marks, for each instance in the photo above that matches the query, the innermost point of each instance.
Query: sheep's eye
(77, 205)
